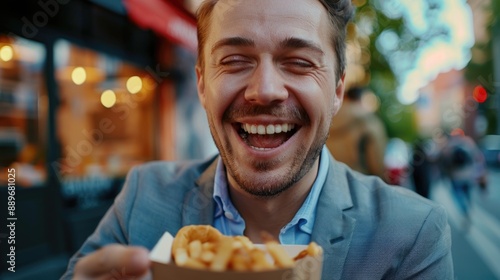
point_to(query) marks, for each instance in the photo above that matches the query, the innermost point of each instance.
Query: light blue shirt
(298, 231)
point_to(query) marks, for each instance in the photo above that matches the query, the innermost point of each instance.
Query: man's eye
(299, 63)
(234, 60)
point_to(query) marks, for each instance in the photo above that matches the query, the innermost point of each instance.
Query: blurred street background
(476, 247)
(90, 88)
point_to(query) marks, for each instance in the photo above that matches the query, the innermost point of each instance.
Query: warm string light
(79, 75)
(108, 98)
(6, 53)
(134, 84)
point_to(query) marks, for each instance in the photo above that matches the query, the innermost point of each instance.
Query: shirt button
(229, 215)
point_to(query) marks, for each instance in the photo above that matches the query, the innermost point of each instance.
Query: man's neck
(273, 213)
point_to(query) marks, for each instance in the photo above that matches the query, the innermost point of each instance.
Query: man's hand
(114, 262)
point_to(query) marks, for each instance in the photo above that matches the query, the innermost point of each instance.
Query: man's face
(268, 87)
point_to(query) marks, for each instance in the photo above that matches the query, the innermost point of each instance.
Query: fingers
(113, 260)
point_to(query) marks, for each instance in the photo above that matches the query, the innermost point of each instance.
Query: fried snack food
(204, 247)
(279, 254)
(187, 247)
(312, 250)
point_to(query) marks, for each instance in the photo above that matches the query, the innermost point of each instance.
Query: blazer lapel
(198, 206)
(333, 228)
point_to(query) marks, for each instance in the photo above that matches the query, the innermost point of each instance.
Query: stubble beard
(278, 183)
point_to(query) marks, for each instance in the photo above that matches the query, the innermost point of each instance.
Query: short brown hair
(339, 12)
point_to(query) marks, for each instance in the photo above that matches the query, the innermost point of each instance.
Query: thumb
(114, 260)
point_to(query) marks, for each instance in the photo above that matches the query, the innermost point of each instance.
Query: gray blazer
(368, 230)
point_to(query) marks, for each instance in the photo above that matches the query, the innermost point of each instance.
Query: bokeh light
(79, 75)
(6, 53)
(108, 98)
(480, 94)
(134, 84)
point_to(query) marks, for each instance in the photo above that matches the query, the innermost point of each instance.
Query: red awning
(165, 19)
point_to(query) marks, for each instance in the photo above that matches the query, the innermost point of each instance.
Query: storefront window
(23, 110)
(105, 120)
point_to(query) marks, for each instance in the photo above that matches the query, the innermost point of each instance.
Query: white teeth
(269, 129)
(261, 129)
(253, 129)
(261, 149)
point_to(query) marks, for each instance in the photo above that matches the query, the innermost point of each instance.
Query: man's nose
(266, 85)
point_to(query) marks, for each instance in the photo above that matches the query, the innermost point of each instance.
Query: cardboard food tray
(163, 267)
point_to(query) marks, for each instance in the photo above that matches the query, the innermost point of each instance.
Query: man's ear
(339, 94)
(200, 85)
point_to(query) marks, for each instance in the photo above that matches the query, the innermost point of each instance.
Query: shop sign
(165, 19)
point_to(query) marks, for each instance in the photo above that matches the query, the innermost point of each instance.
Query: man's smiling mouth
(266, 137)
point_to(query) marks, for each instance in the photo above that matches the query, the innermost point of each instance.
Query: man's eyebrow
(297, 43)
(233, 41)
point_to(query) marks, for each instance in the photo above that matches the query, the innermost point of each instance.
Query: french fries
(204, 247)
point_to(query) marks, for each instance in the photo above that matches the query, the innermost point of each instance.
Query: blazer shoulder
(164, 172)
(155, 196)
(394, 202)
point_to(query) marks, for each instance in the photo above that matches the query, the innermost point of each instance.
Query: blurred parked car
(490, 146)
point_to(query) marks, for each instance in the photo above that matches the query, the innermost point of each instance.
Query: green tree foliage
(395, 46)
(399, 119)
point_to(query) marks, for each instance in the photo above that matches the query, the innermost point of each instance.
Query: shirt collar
(221, 195)
(304, 218)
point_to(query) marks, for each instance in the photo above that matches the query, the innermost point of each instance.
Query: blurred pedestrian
(464, 165)
(357, 136)
(397, 160)
(424, 166)
(421, 169)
